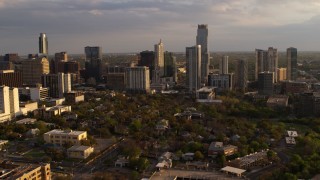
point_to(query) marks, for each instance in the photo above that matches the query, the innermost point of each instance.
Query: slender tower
(159, 62)
(43, 44)
(292, 56)
(224, 65)
(202, 39)
(193, 64)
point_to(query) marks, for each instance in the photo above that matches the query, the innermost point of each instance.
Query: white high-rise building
(14, 102)
(193, 67)
(137, 79)
(43, 44)
(158, 62)
(9, 103)
(202, 39)
(223, 65)
(58, 84)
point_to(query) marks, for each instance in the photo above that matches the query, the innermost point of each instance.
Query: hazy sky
(136, 25)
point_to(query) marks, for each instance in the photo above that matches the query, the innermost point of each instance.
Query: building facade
(61, 137)
(221, 81)
(241, 75)
(137, 79)
(58, 84)
(158, 62)
(10, 78)
(292, 61)
(43, 44)
(202, 40)
(93, 62)
(282, 74)
(267, 61)
(223, 65)
(265, 83)
(33, 69)
(193, 68)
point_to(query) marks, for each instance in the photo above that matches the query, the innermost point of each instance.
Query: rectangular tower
(193, 68)
(43, 44)
(137, 79)
(93, 63)
(292, 60)
(223, 65)
(202, 39)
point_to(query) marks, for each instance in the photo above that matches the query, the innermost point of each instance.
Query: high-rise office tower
(43, 44)
(137, 79)
(147, 59)
(158, 62)
(58, 84)
(292, 60)
(11, 78)
(282, 74)
(9, 103)
(202, 39)
(33, 69)
(265, 83)
(221, 81)
(241, 75)
(93, 63)
(223, 65)
(58, 57)
(170, 69)
(267, 61)
(193, 67)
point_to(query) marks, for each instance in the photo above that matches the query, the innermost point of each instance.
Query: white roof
(233, 170)
(292, 134)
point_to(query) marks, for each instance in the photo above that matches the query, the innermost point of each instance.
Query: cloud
(133, 25)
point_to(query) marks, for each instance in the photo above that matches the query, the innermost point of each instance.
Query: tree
(198, 155)
(221, 160)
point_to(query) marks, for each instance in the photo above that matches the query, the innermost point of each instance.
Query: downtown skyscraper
(266, 61)
(202, 40)
(292, 60)
(223, 65)
(158, 62)
(193, 67)
(93, 62)
(43, 44)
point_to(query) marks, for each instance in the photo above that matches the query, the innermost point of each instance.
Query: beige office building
(33, 69)
(282, 74)
(60, 137)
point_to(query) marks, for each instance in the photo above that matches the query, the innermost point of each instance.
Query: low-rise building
(26, 121)
(121, 162)
(60, 137)
(74, 97)
(3, 143)
(216, 148)
(26, 107)
(277, 101)
(251, 160)
(25, 171)
(49, 112)
(80, 152)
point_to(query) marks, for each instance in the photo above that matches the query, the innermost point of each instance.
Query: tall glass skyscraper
(292, 60)
(202, 39)
(43, 43)
(193, 67)
(93, 63)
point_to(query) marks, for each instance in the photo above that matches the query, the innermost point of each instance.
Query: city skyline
(133, 26)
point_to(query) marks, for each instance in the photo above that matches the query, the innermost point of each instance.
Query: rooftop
(292, 133)
(78, 148)
(26, 121)
(65, 132)
(233, 170)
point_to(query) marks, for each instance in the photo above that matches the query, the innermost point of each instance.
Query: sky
(121, 26)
